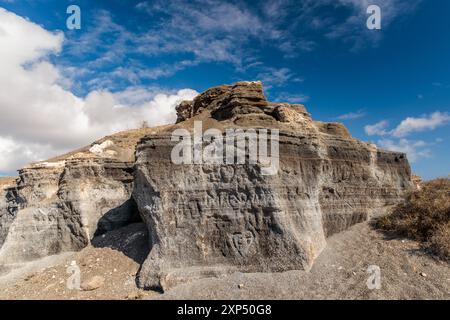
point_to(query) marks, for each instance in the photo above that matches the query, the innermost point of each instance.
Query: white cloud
(352, 115)
(15, 153)
(41, 118)
(425, 123)
(292, 98)
(222, 32)
(271, 77)
(378, 128)
(107, 113)
(219, 33)
(189, 33)
(353, 30)
(414, 150)
(409, 125)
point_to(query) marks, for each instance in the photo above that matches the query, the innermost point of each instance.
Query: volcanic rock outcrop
(219, 218)
(60, 204)
(207, 219)
(6, 212)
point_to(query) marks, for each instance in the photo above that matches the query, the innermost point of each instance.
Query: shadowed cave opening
(122, 229)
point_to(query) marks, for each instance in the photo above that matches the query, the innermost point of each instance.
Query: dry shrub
(424, 216)
(440, 242)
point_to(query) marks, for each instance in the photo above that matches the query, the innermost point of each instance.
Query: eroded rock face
(7, 212)
(59, 206)
(62, 203)
(212, 219)
(205, 219)
(220, 218)
(185, 110)
(226, 101)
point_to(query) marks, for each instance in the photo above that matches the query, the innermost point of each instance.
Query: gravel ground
(340, 272)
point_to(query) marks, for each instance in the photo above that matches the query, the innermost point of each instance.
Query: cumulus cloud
(409, 125)
(41, 118)
(414, 150)
(378, 128)
(425, 123)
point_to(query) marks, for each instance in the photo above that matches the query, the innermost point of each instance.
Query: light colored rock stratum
(205, 220)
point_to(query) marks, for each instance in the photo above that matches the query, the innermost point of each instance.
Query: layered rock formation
(60, 204)
(7, 212)
(213, 219)
(210, 218)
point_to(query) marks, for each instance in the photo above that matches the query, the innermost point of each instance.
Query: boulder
(184, 110)
(93, 283)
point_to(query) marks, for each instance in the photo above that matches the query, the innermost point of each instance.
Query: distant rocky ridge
(205, 220)
(6, 213)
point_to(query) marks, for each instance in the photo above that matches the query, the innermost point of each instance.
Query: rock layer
(59, 206)
(6, 210)
(212, 219)
(205, 219)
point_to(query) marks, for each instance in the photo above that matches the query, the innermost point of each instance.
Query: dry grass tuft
(424, 216)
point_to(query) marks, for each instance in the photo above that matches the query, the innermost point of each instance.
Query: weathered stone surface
(206, 220)
(59, 206)
(222, 218)
(291, 113)
(6, 212)
(225, 102)
(93, 283)
(185, 110)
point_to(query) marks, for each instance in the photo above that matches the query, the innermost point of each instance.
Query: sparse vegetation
(424, 216)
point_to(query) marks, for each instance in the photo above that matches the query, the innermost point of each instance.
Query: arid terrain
(340, 272)
(81, 225)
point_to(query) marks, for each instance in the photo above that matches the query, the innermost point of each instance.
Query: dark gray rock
(61, 205)
(208, 220)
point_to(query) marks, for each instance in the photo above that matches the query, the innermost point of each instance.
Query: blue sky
(389, 86)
